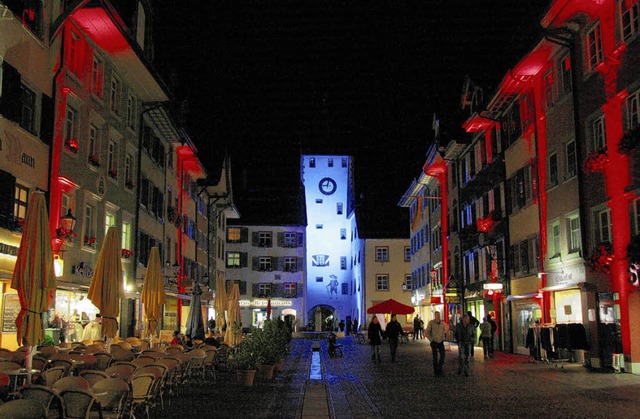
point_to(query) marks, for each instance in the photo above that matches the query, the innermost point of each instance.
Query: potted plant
(268, 352)
(244, 361)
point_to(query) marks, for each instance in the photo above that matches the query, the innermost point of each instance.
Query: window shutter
(255, 263)
(278, 263)
(46, 121)
(255, 291)
(299, 264)
(10, 101)
(7, 192)
(244, 234)
(280, 238)
(254, 238)
(243, 287)
(597, 229)
(244, 260)
(300, 237)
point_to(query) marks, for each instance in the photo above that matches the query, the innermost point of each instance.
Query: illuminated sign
(495, 286)
(263, 303)
(7, 249)
(82, 270)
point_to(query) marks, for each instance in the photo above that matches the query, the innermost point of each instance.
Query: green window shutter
(280, 239)
(244, 234)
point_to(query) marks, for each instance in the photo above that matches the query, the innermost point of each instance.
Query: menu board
(10, 311)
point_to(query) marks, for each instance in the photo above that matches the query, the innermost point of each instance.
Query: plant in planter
(94, 160)
(245, 361)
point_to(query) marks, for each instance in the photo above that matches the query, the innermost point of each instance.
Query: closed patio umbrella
(153, 295)
(195, 324)
(33, 275)
(234, 332)
(220, 301)
(105, 291)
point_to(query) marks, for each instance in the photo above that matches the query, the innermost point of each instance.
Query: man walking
(494, 329)
(416, 327)
(475, 323)
(436, 333)
(465, 334)
(393, 332)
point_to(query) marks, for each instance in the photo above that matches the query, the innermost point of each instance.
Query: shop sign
(571, 275)
(263, 303)
(82, 270)
(7, 249)
(453, 299)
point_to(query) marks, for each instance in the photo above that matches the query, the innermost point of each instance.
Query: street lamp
(172, 280)
(67, 224)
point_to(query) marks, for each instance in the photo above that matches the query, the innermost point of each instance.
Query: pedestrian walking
(393, 332)
(355, 326)
(437, 330)
(494, 329)
(475, 322)
(375, 338)
(416, 327)
(465, 334)
(349, 326)
(485, 336)
(421, 329)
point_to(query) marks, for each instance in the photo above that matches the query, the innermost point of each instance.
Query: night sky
(269, 80)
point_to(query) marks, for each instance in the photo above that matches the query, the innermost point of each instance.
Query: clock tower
(335, 254)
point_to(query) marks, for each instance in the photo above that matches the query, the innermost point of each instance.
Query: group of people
(78, 327)
(418, 328)
(465, 334)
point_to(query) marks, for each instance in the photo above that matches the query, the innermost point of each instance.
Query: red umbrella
(390, 306)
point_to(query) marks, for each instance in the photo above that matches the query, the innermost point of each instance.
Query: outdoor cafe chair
(142, 393)
(142, 361)
(51, 375)
(198, 357)
(5, 353)
(209, 364)
(95, 348)
(93, 376)
(22, 409)
(112, 394)
(8, 366)
(71, 383)
(18, 357)
(103, 360)
(120, 354)
(170, 375)
(46, 396)
(159, 372)
(66, 364)
(47, 351)
(78, 404)
(123, 372)
(172, 350)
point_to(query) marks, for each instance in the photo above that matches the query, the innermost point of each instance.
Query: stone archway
(321, 318)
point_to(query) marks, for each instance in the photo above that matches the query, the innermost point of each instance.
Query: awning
(521, 296)
(561, 287)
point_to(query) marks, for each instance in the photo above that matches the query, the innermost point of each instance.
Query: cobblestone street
(507, 386)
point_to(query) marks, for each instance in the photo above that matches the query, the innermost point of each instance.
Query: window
(312, 162)
(382, 254)
(233, 259)
(319, 226)
(573, 233)
(319, 279)
(343, 234)
(70, 123)
(87, 228)
(330, 162)
(94, 146)
(594, 47)
(343, 262)
(20, 201)
(264, 263)
(629, 19)
(345, 288)
(572, 160)
(407, 253)
(408, 282)
(318, 200)
(554, 242)
(565, 72)
(131, 112)
(264, 239)
(128, 170)
(74, 53)
(382, 282)
(290, 264)
(264, 289)
(126, 236)
(28, 109)
(290, 239)
(549, 89)
(633, 110)
(233, 234)
(598, 134)
(97, 77)
(604, 226)
(339, 208)
(290, 289)
(344, 162)
(553, 170)
(109, 221)
(114, 97)
(112, 159)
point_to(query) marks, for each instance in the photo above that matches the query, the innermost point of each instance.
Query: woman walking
(375, 338)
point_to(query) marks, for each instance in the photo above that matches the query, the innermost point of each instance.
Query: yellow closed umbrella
(220, 301)
(234, 328)
(153, 296)
(33, 275)
(105, 291)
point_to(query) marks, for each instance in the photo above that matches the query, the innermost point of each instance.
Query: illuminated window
(553, 170)
(554, 243)
(28, 109)
(264, 239)
(629, 19)
(97, 77)
(114, 97)
(264, 263)
(233, 259)
(382, 253)
(382, 282)
(572, 160)
(290, 264)
(126, 236)
(290, 289)
(233, 234)
(20, 200)
(573, 233)
(109, 221)
(595, 54)
(598, 134)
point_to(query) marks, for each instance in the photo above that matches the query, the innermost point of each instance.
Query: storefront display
(71, 312)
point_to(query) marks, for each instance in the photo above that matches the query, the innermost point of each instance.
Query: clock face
(327, 186)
